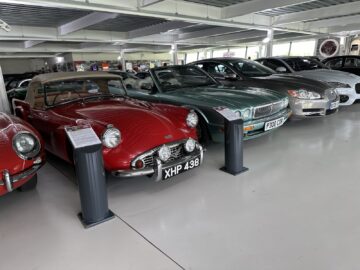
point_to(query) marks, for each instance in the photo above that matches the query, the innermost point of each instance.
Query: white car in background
(346, 84)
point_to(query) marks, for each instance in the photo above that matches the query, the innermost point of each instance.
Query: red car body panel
(9, 160)
(143, 126)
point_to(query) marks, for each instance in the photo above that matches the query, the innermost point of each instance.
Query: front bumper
(156, 170)
(10, 180)
(348, 96)
(303, 108)
(257, 126)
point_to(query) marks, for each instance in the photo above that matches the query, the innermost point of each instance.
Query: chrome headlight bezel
(113, 134)
(246, 114)
(35, 147)
(192, 119)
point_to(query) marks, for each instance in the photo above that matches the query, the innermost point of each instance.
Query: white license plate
(334, 105)
(274, 123)
(180, 168)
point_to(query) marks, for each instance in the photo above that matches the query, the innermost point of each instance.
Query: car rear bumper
(303, 108)
(11, 182)
(158, 167)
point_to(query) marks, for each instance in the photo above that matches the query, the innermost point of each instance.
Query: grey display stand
(89, 166)
(234, 133)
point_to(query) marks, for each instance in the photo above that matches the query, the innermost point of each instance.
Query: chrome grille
(177, 152)
(266, 110)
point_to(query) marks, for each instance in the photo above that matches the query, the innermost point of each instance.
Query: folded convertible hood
(231, 97)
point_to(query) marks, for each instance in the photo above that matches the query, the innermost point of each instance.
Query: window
(352, 62)
(251, 68)
(276, 65)
(253, 52)
(238, 52)
(299, 64)
(281, 49)
(218, 70)
(334, 63)
(191, 57)
(303, 48)
(220, 53)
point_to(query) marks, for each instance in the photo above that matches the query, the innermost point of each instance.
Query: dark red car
(138, 138)
(21, 154)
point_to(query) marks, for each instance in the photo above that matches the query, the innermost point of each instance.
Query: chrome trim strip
(158, 170)
(10, 180)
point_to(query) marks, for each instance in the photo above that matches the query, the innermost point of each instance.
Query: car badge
(168, 137)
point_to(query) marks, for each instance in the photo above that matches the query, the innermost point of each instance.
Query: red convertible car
(139, 138)
(21, 155)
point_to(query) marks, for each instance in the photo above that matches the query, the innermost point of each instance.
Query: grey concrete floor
(296, 208)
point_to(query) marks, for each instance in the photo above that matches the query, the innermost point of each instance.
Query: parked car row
(157, 124)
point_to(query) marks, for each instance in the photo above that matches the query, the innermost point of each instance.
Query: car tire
(29, 185)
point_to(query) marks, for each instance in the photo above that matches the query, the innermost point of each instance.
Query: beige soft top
(61, 76)
(37, 100)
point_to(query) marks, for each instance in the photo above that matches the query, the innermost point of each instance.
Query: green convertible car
(262, 110)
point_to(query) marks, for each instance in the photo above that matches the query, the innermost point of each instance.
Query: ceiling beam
(319, 13)
(342, 21)
(145, 3)
(208, 32)
(32, 43)
(84, 22)
(237, 36)
(157, 29)
(255, 6)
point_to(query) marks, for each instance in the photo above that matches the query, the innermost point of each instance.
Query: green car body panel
(203, 99)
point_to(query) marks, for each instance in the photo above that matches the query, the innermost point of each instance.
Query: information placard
(82, 136)
(227, 113)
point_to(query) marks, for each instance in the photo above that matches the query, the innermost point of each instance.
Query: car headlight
(164, 153)
(339, 85)
(304, 94)
(26, 145)
(238, 114)
(192, 119)
(111, 137)
(285, 102)
(190, 145)
(246, 114)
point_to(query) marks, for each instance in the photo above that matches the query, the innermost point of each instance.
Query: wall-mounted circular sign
(329, 48)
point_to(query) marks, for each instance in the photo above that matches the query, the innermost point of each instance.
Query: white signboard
(82, 137)
(227, 113)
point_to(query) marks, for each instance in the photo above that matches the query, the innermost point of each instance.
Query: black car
(348, 63)
(13, 80)
(307, 97)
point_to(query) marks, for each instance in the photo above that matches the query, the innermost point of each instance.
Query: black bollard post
(234, 147)
(89, 167)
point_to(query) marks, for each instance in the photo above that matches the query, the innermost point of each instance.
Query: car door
(352, 65)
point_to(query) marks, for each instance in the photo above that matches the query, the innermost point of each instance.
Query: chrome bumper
(305, 108)
(156, 172)
(9, 180)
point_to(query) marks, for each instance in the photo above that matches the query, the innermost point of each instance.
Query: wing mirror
(230, 77)
(280, 70)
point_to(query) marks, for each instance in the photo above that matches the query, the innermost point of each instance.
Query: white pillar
(123, 62)
(4, 102)
(174, 54)
(269, 42)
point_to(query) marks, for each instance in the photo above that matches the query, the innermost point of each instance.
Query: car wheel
(29, 185)
(202, 132)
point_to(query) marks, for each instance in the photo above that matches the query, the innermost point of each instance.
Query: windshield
(251, 68)
(299, 64)
(69, 90)
(178, 77)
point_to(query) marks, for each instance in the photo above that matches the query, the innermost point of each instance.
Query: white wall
(10, 66)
